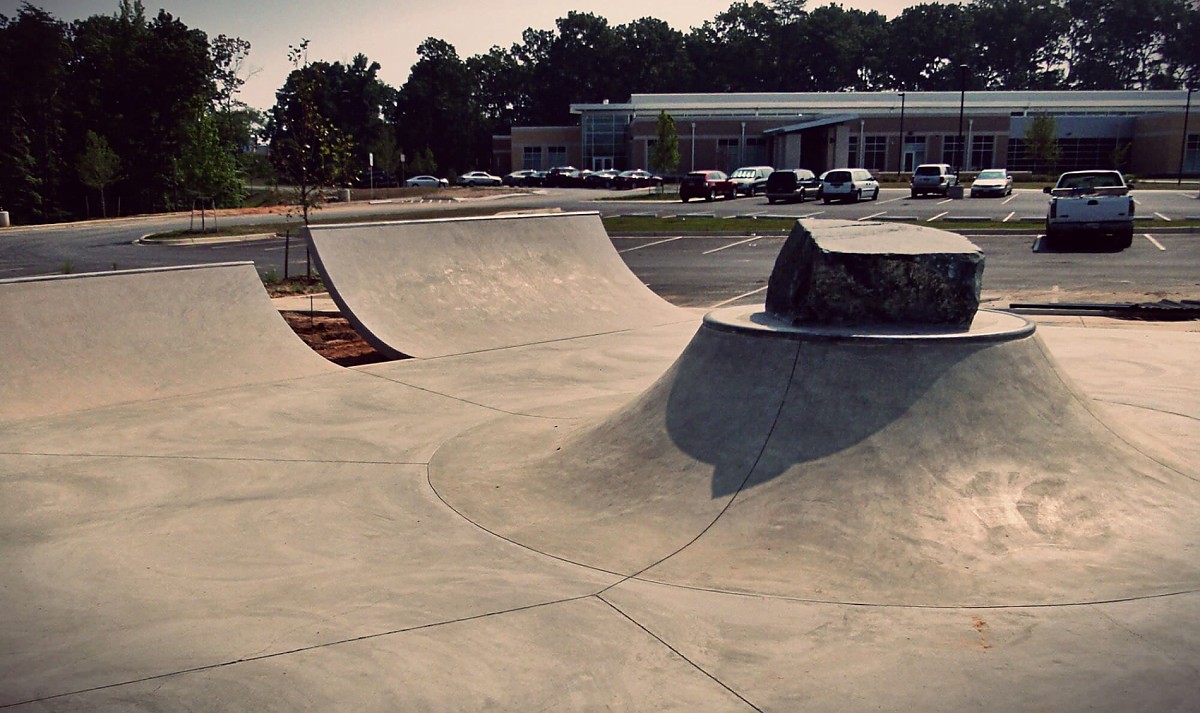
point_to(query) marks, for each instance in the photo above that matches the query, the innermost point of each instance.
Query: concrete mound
(906, 467)
(454, 286)
(73, 342)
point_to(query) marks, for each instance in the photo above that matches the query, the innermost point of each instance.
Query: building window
(983, 150)
(875, 153)
(531, 158)
(605, 135)
(756, 152)
(952, 151)
(728, 155)
(1073, 155)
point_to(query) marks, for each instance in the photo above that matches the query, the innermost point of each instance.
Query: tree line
(144, 111)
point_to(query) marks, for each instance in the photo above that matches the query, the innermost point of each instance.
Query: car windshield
(928, 171)
(837, 176)
(990, 174)
(743, 173)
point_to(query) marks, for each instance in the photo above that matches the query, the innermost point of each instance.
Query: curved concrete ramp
(73, 342)
(439, 287)
(945, 469)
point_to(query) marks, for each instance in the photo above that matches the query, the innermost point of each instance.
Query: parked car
(992, 182)
(518, 178)
(849, 184)
(637, 178)
(427, 181)
(795, 184)
(377, 178)
(563, 177)
(479, 178)
(751, 180)
(933, 178)
(707, 185)
(1091, 204)
(601, 179)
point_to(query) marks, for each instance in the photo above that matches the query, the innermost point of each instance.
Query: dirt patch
(334, 338)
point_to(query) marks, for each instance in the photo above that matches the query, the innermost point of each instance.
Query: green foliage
(99, 166)
(307, 150)
(205, 166)
(665, 158)
(1041, 142)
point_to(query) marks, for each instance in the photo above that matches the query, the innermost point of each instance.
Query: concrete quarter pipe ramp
(441, 287)
(843, 466)
(81, 341)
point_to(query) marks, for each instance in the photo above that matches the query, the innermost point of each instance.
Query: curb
(149, 239)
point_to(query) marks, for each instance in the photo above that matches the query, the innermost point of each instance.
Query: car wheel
(913, 194)
(858, 196)
(770, 201)
(712, 195)
(876, 196)
(685, 199)
(1123, 241)
(825, 200)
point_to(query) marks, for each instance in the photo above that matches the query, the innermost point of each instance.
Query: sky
(389, 31)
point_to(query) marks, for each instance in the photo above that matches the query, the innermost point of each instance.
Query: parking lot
(1026, 206)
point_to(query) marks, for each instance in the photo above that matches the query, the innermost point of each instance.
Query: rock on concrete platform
(851, 273)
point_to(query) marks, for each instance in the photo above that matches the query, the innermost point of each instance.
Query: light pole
(900, 148)
(1187, 111)
(962, 98)
(693, 146)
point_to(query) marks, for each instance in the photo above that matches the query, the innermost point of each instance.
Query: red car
(707, 185)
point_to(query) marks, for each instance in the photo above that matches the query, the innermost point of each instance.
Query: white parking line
(731, 245)
(1009, 199)
(873, 215)
(650, 245)
(1157, 244)
(735, 299)
(1160, 215)
(893, 200)
(945, 201)
(810, 215)
(1009, 217)
(939, 215)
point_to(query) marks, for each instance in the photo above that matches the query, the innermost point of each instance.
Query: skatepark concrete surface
(717, 514)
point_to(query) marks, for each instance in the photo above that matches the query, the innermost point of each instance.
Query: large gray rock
(850, 273)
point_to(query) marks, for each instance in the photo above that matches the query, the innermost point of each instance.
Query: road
(689, 270)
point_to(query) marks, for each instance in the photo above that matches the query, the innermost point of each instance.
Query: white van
(849, 184)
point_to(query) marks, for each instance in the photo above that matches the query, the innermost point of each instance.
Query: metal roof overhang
(811, 124)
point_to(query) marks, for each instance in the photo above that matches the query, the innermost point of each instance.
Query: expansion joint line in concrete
(1086, 401)
(460, 399)
(238, 459)
(678, 653)
(297, 650)
(749, 473)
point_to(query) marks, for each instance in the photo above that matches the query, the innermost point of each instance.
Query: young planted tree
(1041, 142)
(307, 150)
(665, 158)
(99, 166)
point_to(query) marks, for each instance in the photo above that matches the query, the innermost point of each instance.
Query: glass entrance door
(602, 163)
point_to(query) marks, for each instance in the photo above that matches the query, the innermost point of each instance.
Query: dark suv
(797, 184)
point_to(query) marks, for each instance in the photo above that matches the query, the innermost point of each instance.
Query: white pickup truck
(1091, 204)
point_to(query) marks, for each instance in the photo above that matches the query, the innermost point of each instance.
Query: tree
(205, 166)
(1023, 46)
(665, 158)
(1041, 142)
(34, 68)
(436, 109)
(307, 150)
(98, 166)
